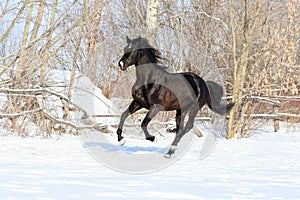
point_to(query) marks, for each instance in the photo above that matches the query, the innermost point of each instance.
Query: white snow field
(264, 166)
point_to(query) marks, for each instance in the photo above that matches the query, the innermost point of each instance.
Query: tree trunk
(74, 64)
(241, 62)
(152, 19)
(48, 44)
(93, 33)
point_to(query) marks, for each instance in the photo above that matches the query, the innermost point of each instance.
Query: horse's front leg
(180, 115)
(152, 112)
(133, 107)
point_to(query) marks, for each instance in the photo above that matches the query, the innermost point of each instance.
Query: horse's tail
(215, 97)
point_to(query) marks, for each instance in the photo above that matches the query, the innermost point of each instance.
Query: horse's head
(132, 52)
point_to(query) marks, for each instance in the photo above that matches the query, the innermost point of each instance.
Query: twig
(273, 101)
(40, 91)
(60, 121)
(159, 132)
(288, 97)
(105, 115)
(21, 113)
(265, 99)
(288, 115)
(198, 132)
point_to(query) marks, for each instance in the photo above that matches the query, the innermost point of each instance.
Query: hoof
(170, 152)
(122, 142)
(151, 138)
(167, 156)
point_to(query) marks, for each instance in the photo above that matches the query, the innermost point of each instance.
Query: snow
(94, 166)
(265, 166)
(85, 94)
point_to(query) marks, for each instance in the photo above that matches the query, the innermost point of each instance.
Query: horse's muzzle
(122, 65)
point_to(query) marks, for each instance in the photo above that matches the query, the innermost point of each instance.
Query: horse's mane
(152, 53)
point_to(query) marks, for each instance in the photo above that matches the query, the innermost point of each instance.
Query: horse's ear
(140, 54)
(140, 39)
(128, 40)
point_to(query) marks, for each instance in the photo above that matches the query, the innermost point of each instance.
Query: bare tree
(253, 46)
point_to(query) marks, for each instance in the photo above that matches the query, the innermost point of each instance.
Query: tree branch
(40, 91)
(68, 123)
(21, 113)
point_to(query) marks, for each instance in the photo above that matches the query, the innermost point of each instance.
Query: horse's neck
(147, 73)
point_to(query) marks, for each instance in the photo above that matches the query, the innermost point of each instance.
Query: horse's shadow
(108, 147)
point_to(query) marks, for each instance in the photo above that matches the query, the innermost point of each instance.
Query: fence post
(276, 120)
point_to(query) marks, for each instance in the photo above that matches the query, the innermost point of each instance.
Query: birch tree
(152, 18)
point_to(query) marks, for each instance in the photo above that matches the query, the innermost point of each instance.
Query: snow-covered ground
(265, 166)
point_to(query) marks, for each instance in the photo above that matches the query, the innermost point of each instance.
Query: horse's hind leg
(133, 107)
(180, 115)
(192, 114)
(152, 112)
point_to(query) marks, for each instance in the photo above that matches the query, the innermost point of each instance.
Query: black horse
(158, 90)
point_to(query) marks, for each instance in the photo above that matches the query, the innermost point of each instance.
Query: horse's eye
(128, 48)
